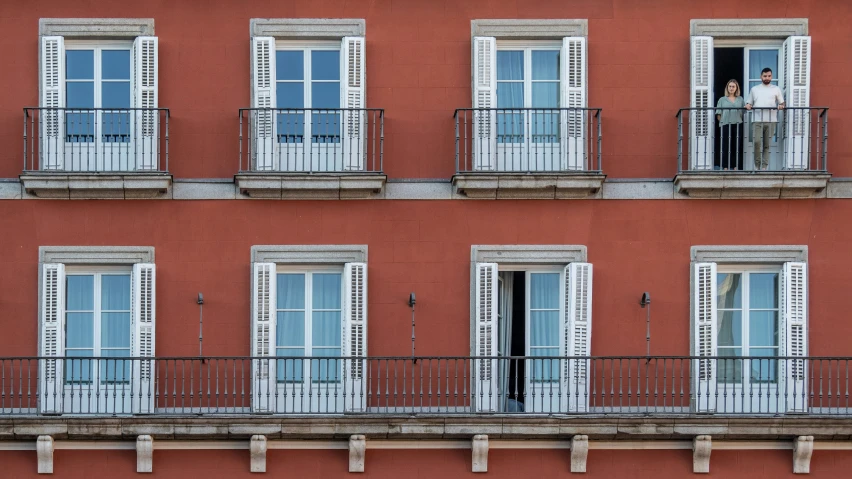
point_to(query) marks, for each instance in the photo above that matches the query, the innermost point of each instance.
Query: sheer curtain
(326, 327)
(510, 94)
(290, 326)
(544, 324)
(115, 327)
(729, 340)
(79, 326)
(545, 94)
(763, 325)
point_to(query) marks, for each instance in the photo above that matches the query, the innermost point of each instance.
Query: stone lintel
(736, 185)
(103, 28)
(320, 186)
(748, 27)
(535, 186)
(307, 28)
(529, 29)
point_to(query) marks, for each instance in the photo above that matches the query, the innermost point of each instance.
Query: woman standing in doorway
(729, 114)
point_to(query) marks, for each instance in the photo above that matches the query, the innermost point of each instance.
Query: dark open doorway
(728, 64)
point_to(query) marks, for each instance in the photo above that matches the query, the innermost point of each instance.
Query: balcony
(528, 153)
(712, 164)
(310, 153)
(96, 152)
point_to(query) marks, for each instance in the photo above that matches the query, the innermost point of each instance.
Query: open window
(533, 328)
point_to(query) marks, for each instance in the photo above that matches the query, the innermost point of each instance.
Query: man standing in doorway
(765, 95)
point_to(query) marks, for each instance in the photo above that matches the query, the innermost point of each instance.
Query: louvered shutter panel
(704, 329)
(52, 118)
(796, 84)
(485, 368)
(353, 70)
(147, 120)
(576, 338)
(794, 340)
(701, 126)
(263, 321)
(143, 331)
(484, 127)
(263, 97)
(574, 87)
(51, 385)
(355, 336)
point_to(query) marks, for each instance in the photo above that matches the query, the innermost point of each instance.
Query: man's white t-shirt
(765, 96)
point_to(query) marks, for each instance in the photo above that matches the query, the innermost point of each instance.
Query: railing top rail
(28, 108)
(418, 358)
(268, 108)
(530, 109)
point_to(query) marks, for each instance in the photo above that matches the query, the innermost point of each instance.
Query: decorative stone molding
(749, 27)
(803, 449)
(126, 255)
(701, 448)
(257, 449)
(357, 452)
(320, 186)
(309, 254)
(96, 27)
(479, 446)
(528, 254)
(96, 186)
(579, 453)
(307, 28)
(534, 186)
(44, 452)
(144, 454)
(749, 185)
(734, 254)
(529, 29)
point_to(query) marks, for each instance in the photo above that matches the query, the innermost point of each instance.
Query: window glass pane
(730, 331)
(116, 370)
(544, 290)
(325, 65)
(115, 330)
(290, 329)
(545, 95)
(545, 65)
(115, 292)
(729, 370)
(729, 290)
(290, 370)
(544, 328)
(510, 95)
(760, 59)
(79, 330)
(510, 65)
(325, 95)
(79, 64)
(291, 291)
(325, 127)
(545, 370)
(290, 95)
(80, 293)
(763, 290)
(78, 370)
(115, 127)
(80, 94)
(115, 64)
(763, 328)
(290, 65)
(764, 370)
(115, 94)
(326, 289)
(291, 127)
(326, 370)
(325, 330)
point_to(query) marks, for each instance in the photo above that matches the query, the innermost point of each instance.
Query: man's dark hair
(766, 70)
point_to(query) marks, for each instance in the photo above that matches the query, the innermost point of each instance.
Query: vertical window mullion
(307, 78)
(309, 320)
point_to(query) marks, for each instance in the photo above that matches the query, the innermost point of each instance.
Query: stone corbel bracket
(257, 448)
(144, 454)
(479, 445)
(579, 453)
(803, 449)
(701, 448)
(357, 452)
(44, 452)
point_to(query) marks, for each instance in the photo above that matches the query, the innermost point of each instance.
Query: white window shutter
(701, 126)
(484, 127)
(263, 321)
(576, 337)
(574, 128)
(353, 71)
(704, 329)
(355, 336)
(263, 96)
(796, 84)
(794, 335)
(484, 370)
(52, 120)
(52, 381)
(143, 317)
(147, 127)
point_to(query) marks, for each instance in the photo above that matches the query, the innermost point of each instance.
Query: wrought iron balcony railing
(311, 140)
(797, 140)
(742, 386)
(85, 140)
(528, 140)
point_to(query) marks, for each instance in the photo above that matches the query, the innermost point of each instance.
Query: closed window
(308, 78)
(97, 77)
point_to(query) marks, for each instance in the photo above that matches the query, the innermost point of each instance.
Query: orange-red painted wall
(428, 464)
(424, 246)
(418, 69)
